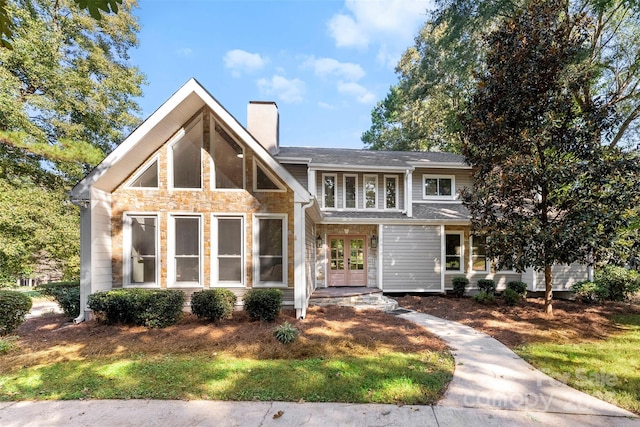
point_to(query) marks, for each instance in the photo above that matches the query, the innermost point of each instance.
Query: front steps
(349, 297)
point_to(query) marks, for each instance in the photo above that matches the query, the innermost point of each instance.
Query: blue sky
(324, 62)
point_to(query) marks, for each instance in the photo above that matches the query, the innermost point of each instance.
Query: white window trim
(462, 251)
(215, 282)
(144, 168)
(335, 190)
(487, 264)
(256, 164)
(344, 190)
(453, 187)
(171, 244)
(173, 141)
(395, 178)
(364, 192)
(212, 139)
(256, 251)
(126, 250)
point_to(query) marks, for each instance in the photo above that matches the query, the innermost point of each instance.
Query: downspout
(303, 297)
(83, 204)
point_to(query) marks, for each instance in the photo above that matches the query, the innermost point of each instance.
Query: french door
(347, 261)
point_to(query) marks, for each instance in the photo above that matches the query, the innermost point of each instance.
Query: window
(264, 180)
(391, 192)
(453, 248)
(186, 156)
(228, 158)
(329, 190)
(229, 257)
(370, 191)
(141, 240)
(438, 186)
(148, 178)
(271, 249)
(350, 191)
(186, 251)
(478, 254)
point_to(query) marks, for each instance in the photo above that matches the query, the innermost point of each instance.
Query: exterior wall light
(318, 241)
(374, 241)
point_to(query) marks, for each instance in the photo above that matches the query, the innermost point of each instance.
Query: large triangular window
(147, 178)
(264, 180)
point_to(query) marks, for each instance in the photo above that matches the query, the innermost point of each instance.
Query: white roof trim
(356, 168)
(437, 165)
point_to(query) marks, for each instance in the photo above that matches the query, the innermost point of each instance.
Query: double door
(347, 261)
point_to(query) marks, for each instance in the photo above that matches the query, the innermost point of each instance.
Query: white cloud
(346, 33)
(289, 91)
(240, 61)
(357, 91)
(184, 51)
(326, 105)
(324, 67)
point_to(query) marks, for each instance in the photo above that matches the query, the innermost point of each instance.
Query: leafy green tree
(545, 190)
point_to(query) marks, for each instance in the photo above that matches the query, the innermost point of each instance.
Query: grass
(608, 369)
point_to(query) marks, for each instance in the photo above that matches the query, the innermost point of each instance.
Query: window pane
(329, 191)
(445, 186)
(186, 160)
(390, 193)
(187, 236)
(350, 192)
(478, 254)
(431, 186)
(230, 269)
(370, 192)
(229, 161)
(453, 252)
(143, 250)
(263, 182)
(148, 178)
(271, 269)
(270, 236)
(187, 269)
(229, 236)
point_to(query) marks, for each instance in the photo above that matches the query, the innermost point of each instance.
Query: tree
(545, 190)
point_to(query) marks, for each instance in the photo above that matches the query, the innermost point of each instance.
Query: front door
(347, 262)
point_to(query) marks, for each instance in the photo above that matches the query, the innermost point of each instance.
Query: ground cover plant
(582, 345)
(339, 355)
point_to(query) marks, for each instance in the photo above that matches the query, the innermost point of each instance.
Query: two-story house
(194, 200)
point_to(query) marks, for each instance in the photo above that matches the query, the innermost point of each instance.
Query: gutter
(82, 204)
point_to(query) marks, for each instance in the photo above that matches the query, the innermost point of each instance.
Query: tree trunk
(548, 292)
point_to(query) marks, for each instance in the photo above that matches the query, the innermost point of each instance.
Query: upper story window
(147, 178)
(228, 158)
(390, 192)
(438, 187)
(264, 180)
(350, 191)
(370, 191)
(186, 158)
(329, 190)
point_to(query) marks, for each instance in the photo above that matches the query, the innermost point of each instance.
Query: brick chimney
(263, 122)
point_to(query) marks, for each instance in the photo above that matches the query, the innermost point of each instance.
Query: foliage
(620, 283)
(285, 333)
(519, 287)
(460, 284)
(484, 297)
(511, 297)
(487, 285)
(153, 308)
(66, 294)
(545, 191)
(589, 292)
(8, 344)
(263, 304)
(15, 306)
(213, 304)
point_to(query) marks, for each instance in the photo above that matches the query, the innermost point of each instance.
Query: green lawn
(608, 369)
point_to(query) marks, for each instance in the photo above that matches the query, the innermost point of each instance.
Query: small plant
(66, 294)
(460, 284)
(590, 292)
(213, 304)
(519, 287)
(8, 344)
(487, 285)
(620, 282)
(511, 297)
(14, 307)
(263, 304)
(285, 333)
(483, 297)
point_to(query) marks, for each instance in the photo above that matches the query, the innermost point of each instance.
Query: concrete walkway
(491, 386)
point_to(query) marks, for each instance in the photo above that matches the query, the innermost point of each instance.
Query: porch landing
(348, 296)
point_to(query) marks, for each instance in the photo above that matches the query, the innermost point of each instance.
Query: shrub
(590, 292)
(285, 333)
(213, 304)
(483, 297)
(153, 308)
(460, 284)
(15, 306)
(66, 294)
(263, 304)
(511, 297)
(487, 285)
(621, 283)
(8, 344)
(519, 287)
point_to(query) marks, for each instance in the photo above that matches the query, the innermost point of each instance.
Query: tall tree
(67, 97)
(545, 190)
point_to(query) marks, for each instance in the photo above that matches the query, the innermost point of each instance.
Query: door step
(376, 301)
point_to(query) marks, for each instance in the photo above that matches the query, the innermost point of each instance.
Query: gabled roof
(344, 158)
(158, 128)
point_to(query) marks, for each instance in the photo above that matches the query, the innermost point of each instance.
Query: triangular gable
(158, 128)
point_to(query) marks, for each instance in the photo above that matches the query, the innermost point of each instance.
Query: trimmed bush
(511, 297)
(285, 333)
(153, 308)
(590, 292)
(66, 294)
(213, 304)
(519, 287)
(621, 283)
(460, 284)
(483, 297)
(15, 306)
(487, 285)
(263, 304)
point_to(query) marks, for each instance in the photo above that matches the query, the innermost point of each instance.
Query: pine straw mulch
(324, 333)
(525, 323)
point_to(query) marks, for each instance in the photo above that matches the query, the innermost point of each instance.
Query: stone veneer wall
(204, 201)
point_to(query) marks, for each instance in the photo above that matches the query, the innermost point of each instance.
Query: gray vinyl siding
(299, 172)
(380, 199)
(462, 180)
(101, 252)
(411, 258)
(310, 254)
(562, 276)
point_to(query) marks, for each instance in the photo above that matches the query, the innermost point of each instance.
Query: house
(194, 200)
